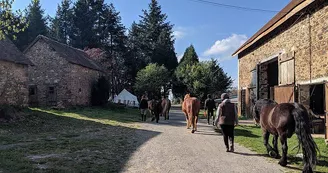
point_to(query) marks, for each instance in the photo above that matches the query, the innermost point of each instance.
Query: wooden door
(284, 94)
(326, 110)
(52, 96)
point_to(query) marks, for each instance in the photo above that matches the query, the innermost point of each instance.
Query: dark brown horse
(191, 107)
(155, 108)
(166, 106)
(282, 120)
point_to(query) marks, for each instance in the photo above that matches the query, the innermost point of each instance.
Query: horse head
(187, 96)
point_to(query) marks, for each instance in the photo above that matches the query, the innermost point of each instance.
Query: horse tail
(302, 130)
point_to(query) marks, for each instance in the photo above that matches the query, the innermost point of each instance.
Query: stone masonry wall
(49, 70)
(302, 38)
(307, 37)
(72, 82)
(13, 84)
(80, 84)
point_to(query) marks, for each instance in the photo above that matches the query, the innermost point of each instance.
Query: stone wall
(72, 82)
(80, 84)
(308, 37)
(13, 84)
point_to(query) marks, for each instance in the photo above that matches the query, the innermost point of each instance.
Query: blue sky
(214, 31)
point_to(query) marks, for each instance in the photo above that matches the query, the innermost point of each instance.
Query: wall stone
(306, 35)
(13, 84)
(51, 70)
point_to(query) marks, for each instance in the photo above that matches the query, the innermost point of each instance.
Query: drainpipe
(310, 45)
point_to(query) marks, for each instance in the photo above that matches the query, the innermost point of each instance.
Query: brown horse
(166, 106)
(282, 120)
(191, 107)
(155, 109)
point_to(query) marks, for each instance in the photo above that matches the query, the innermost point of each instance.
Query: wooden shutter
(284, 94)
(286, 68)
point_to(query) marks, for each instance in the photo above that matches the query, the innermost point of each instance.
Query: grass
(76, 140)
(251, 137)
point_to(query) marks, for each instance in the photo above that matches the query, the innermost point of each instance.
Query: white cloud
(179, 32)
(225, 47)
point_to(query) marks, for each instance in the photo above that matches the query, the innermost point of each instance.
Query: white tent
(125, 97)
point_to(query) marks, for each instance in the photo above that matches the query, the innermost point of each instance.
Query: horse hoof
(283, 163)
(193, 131)
(273, 154)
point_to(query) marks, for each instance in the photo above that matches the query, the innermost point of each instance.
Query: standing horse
(191, 107)
(166, 106)
(155, 108)
(282, 120)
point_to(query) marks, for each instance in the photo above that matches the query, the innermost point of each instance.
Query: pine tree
(37, 21)
(83, 25)
(157, 42)
(190, 57)
(61, 26)
(37, 25)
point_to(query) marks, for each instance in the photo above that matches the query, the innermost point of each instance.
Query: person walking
(209, 107)
(143, 106)
(227, 118)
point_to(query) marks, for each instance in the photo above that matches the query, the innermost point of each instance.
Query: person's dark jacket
(209, 104)
(143, 104)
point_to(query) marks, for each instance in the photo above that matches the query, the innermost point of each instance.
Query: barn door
(284, 94)
(326, 110)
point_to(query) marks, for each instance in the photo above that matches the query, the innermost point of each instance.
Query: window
(134, 103)
(254, 78)
(51, 90)
(32, 90)
(80, 90)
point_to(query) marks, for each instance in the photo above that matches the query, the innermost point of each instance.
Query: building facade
(62, 76)
(287, 59)
(13, 75)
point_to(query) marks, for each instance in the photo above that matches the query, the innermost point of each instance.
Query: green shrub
(100, 92)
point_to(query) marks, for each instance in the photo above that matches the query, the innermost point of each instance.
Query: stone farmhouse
(13, 75)
(287, 60)
(62, 76)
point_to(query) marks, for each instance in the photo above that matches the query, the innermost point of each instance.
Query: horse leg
(266, 136)
(283, 140)
(187, 120)
(195, 123)
(275, 145)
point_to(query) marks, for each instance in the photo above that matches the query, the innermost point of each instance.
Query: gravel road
(176, 150)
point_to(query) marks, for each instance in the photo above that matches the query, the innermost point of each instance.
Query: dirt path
(175, 149)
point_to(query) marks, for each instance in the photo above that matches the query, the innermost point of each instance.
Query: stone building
(13, 75)
(287, 59)
(62, 75)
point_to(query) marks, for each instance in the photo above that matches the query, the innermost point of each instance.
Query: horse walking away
(191, 108)
(155, 109)
(166, 106)
(282, 120)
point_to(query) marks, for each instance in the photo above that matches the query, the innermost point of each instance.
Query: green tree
(37, 21)
(61, 25)
(100, 92)
(189, 57)
(157, 43)
(151, 79)
(11, 23)
(204, 78)
(180, 82)
(83, 25)
(37, 25)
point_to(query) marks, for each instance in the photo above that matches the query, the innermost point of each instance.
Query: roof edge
(260, 34)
